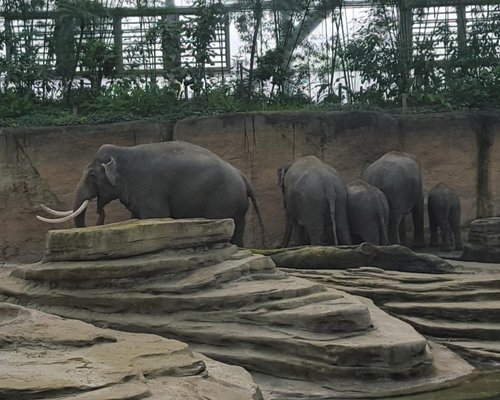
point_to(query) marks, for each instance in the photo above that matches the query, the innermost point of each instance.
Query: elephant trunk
(82, 193)
(79, 220)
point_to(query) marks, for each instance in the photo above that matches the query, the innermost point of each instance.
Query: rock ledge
(235, 307)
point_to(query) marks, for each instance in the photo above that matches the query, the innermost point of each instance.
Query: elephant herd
(182, 180)
(322, 210)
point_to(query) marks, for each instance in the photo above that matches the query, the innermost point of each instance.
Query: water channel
(484, 386)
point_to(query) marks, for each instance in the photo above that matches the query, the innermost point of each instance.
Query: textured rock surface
(460, 310)
(399, 258)
(45, 356)
(129, 238)
(483, 242)
(236, 307)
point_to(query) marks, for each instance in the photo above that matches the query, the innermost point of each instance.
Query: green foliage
(461, 77)
(14, 104)
(375, 53)
(278, 70)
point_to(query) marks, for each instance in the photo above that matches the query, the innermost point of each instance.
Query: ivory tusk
(67, 217)
(54, 212)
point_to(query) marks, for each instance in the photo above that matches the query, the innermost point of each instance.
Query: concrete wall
(447, 145)
(44, 165)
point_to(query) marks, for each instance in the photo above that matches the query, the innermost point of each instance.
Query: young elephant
(314, 198)
(368, 212)
(443, 205)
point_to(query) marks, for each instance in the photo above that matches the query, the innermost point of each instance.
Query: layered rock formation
(299, 338)
(461, 310)
(483, 242)
(395, 257)
(43, 356)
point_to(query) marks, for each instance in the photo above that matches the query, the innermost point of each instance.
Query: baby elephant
(443, 205)
(314, 198)
(368, 212)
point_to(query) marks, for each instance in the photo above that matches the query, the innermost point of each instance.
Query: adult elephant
(314, 198)
(158, 180)
(398, 175)
(443, 205)
(368, 212)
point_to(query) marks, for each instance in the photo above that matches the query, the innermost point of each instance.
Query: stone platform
(460, 309)
(483, 241)
(300, 338)
(43, 356)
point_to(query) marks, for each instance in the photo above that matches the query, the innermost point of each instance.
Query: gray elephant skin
(168, 179)
(443, 206)
(314, 198)
(368, 212)
(398, 175)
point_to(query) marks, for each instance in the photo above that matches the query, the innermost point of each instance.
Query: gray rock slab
(460, 310)
(397, 258)
(483, 242)
(237, 307)
(45, 356)
(133, 237)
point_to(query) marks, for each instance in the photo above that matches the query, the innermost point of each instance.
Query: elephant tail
(251, 195)
(332, 198)
(382, 230)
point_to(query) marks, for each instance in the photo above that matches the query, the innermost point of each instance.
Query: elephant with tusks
(398, 175)
(314, 198)
(159, 180)
(443, 206)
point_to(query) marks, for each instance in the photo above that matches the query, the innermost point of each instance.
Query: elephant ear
(110, 170)
(281, 175)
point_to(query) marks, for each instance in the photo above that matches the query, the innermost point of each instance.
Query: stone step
(397, 351)
(134, 237)
(465, 311)
(238, 307)
(356, 357)
(383, 295)
(233, 296)
(327, 316)
(92, 273)
(214, 275)
(455, 330)
(43, 356)
(477, 352)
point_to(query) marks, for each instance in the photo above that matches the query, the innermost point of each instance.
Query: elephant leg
(315, 230)
(341, 230)
(394, 224)
(402, 231)
(433, 227)
(455, 228)
(302, 237)
(239, 231)
(445, 234)
(316, 236)
(288, 231)
(418, 223)
(101, 216)
(382, 232)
